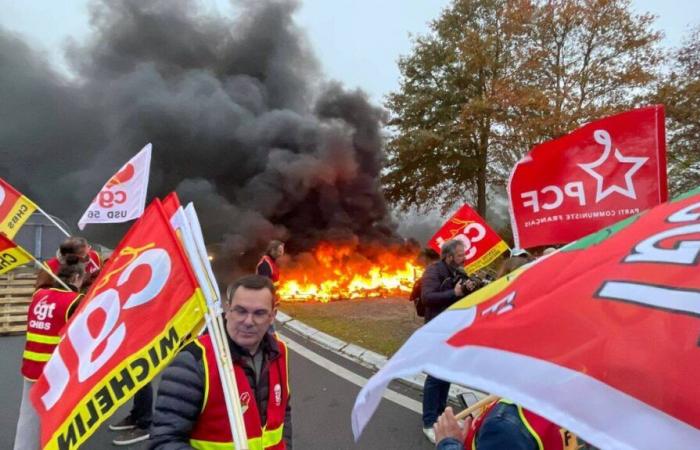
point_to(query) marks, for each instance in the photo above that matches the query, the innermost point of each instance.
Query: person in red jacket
(48, 314)
(267, 266)
(190, 407)
(73, 245)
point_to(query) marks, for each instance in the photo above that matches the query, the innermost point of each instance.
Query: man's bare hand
(459, 290)
(447, 426)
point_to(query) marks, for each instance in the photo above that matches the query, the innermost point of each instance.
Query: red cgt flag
(601, 173)
(600, 337)
(140, 311)
(482, 244)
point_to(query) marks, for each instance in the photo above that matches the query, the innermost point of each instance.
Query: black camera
(460, 276)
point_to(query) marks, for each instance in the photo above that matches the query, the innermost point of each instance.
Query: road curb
(364, 357)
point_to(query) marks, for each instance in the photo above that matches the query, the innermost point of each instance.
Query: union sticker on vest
(278, 394)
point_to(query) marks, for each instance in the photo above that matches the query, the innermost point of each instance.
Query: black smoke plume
(241, 121)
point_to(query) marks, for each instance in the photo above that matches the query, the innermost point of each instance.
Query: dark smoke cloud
(241, 120)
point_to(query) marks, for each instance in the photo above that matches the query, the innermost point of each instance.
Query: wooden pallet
(16, 289)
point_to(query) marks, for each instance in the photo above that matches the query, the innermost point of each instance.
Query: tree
(494, 77)
(679, 91)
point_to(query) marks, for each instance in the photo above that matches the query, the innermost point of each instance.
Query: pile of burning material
(333, 271)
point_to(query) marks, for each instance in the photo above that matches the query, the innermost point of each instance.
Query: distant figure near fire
(267, 266)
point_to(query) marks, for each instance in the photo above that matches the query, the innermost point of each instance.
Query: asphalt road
(321, 402)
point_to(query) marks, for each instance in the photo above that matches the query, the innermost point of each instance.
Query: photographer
(444, 282)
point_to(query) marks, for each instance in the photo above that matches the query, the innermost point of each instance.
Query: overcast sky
(356, 41)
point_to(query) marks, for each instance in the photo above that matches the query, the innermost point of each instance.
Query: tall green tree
(679, 91)
(494, 77)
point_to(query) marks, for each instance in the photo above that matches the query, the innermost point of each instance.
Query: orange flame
(341, 271)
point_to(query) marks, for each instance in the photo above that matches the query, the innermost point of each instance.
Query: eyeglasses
(240, 314)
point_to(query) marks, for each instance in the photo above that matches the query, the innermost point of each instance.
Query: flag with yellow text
(15, 209)
(142, 309)
(12, 255)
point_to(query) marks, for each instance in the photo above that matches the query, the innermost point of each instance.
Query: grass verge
(381, 325)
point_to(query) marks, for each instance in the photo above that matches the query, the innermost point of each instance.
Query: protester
(503, 425)
(48, 314)
(73, 245)
(190, 408)
(518, 257)
(442, 285)
(548, 251)
(135, 427)
(267, 266)
(426, 257)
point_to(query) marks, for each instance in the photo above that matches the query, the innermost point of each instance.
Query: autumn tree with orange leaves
(495, 77)
(679, 91)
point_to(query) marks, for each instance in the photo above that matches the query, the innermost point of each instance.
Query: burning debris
(341, 271)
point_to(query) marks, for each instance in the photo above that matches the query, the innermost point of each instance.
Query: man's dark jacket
(181, 393)
(438, 289)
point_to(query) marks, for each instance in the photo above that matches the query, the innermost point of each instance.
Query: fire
(343, 271)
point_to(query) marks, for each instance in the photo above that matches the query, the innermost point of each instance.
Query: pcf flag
(481, 244)
(601, 173)
(12, 255)
(15, 209)
(600, 337)
(140, 311)
(123, 197)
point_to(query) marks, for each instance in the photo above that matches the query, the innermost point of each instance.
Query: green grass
(380, 325)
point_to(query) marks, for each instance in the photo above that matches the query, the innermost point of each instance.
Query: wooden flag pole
(49, 271)
(476, 406)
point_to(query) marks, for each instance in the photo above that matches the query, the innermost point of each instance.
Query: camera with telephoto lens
(460, 276)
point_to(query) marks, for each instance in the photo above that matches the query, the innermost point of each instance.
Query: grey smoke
(241, 120)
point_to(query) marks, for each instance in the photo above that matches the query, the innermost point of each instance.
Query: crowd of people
(189, 411)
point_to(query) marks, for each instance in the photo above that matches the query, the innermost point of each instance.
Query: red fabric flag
(481, 244)
(601, 173)
(171, 203)
(139, 312)
(600, 337)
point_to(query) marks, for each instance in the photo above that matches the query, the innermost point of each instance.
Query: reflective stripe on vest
(269, 438)
(212, 429)
(43, 339)
(545, 433)
(36, 356)
(46, 317)
(525, 422)
(40, 339)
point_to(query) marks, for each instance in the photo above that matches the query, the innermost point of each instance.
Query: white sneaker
(430, 434)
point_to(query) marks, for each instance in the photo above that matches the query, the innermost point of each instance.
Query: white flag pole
(52, 220)
(214, 323)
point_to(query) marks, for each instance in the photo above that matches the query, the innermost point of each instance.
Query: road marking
(399, 399)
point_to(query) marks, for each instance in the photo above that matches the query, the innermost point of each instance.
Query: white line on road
(350, 376)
